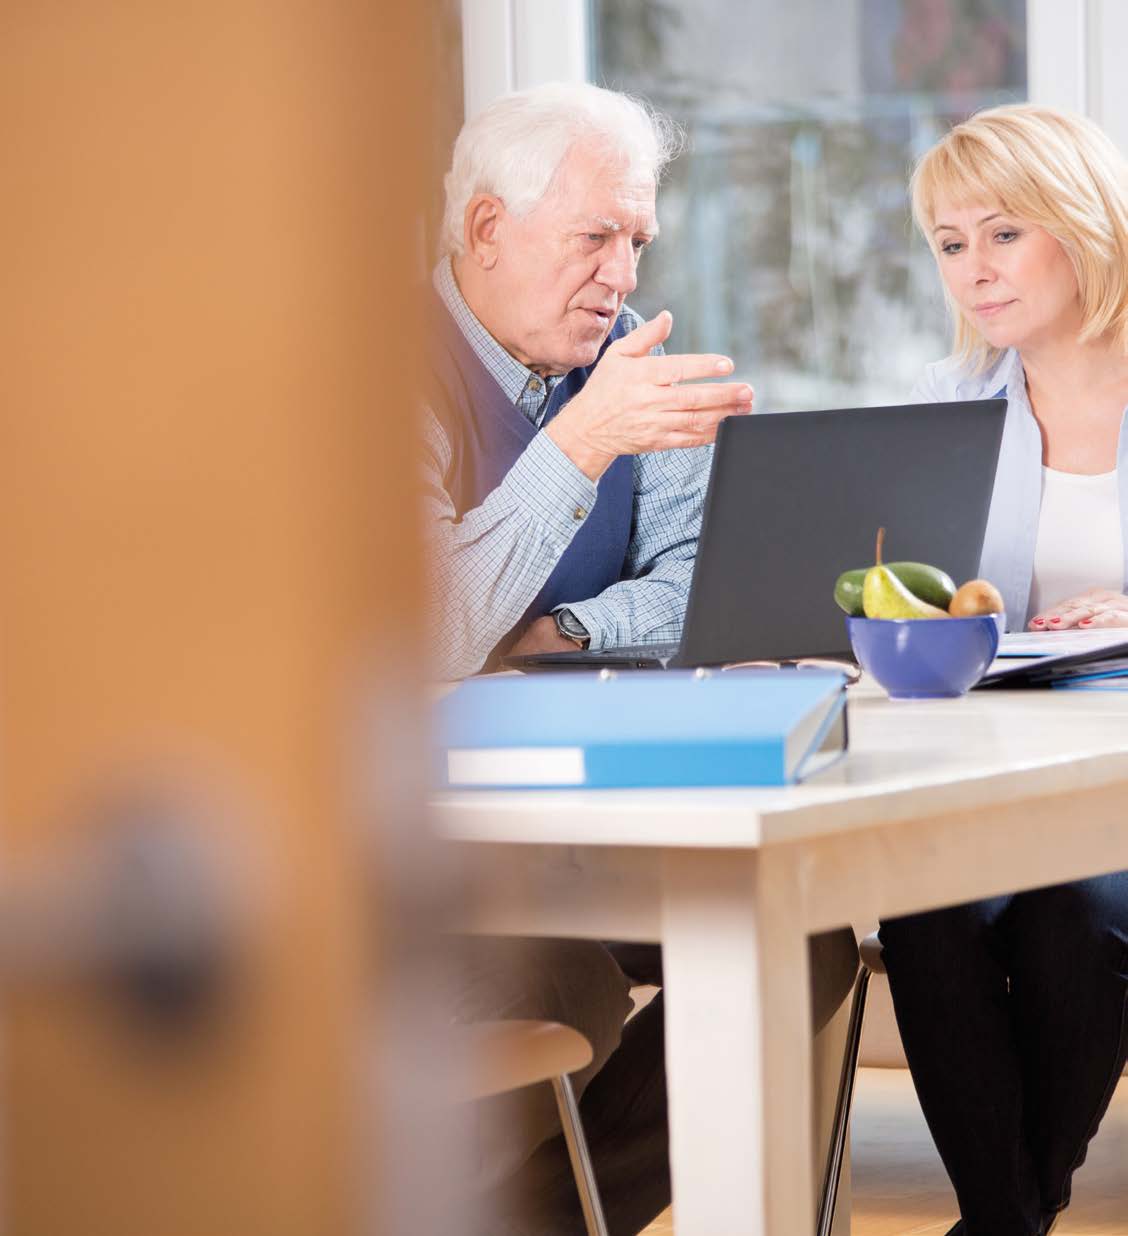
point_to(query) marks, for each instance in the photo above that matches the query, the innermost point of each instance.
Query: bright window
(786, 239)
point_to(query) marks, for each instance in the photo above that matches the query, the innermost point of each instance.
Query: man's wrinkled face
(565, 268)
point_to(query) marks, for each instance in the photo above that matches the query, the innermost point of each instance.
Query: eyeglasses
(852, 672)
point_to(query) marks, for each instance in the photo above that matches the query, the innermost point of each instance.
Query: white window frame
(512, 44)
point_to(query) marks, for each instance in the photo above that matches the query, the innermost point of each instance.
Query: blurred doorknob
(143, 913)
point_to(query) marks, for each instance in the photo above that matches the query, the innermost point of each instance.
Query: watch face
(570, 626)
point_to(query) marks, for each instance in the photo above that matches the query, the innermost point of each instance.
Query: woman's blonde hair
(1057, 171)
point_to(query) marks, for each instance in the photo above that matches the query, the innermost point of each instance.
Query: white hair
(514, 147)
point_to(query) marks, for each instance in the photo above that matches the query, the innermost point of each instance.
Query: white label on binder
(516, 766)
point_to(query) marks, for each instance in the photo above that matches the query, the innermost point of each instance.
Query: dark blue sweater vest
(488, 433)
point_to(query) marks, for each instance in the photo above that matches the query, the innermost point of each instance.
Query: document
(1059, 658)
(1059, 643)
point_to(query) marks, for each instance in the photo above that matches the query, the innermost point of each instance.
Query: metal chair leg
(833, 1173)
(578, 1152)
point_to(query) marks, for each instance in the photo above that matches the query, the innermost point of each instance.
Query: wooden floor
(900, 1188)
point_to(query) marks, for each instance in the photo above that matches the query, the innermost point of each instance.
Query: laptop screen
(796, 498)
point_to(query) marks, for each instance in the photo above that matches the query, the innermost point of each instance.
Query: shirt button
(579, 513)
(534, 384)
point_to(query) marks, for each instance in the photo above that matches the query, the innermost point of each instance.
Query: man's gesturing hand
(634, 402)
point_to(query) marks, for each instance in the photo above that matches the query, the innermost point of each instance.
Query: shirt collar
(514, 378)
(1005, 373)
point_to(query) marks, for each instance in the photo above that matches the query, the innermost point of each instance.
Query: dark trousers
(1012, 1012)
(622, 1095)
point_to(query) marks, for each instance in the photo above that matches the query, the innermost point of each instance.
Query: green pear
(884, 596)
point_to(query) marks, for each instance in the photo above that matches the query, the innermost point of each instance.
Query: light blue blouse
(1012, 522)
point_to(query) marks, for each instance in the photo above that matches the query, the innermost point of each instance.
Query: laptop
(796, 498)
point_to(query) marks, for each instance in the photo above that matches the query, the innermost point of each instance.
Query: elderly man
(566, 501)
(566, 464)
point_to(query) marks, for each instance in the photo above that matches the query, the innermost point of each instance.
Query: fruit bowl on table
(925, 658)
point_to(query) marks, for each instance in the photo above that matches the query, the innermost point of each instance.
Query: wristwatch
(571, 627)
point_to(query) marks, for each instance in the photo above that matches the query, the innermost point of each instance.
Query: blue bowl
(925, 658)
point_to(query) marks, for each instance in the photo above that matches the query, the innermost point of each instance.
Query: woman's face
(1011, 280)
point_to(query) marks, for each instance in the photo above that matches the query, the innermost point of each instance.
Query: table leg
(738, 1045)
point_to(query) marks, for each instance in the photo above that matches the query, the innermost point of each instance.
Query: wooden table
(938, 802)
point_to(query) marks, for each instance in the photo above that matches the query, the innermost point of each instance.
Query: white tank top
(1080, 543)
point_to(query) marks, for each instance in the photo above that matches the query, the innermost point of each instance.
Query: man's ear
(481, 229)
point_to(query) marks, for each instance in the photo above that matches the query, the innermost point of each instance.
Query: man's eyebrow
(598, 223)
(951, 227)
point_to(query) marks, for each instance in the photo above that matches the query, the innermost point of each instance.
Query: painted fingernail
(1085, 622)
(1055, 622)
(1038, 622)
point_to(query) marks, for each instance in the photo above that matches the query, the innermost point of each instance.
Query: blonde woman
(1013, 1010)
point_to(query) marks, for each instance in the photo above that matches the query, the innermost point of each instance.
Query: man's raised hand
(634, 402)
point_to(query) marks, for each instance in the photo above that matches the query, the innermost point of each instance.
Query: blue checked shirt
(486, 568)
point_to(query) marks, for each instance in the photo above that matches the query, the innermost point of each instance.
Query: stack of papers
(1089, 660)
(1060, 643)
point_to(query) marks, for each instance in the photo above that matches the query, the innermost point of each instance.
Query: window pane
(786, 237)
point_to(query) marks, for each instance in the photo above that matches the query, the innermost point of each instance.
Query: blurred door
(208, 560)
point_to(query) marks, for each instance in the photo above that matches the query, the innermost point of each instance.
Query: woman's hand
(1099, 607)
